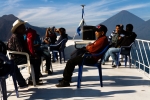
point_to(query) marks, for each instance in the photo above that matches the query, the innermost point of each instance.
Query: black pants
(46, 54)
(34, 62)
(71, 63)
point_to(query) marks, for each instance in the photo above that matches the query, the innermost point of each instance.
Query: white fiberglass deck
(119, 84)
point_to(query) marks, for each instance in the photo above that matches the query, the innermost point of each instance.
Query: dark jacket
(127, 40)
(61, 38)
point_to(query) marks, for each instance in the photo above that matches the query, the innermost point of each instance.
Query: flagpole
(81, 20)
(83, 12)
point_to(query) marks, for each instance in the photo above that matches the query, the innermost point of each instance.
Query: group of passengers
(27, 40)
(23, 37)
(119, 38)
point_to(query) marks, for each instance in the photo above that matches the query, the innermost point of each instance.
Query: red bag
(31, 35)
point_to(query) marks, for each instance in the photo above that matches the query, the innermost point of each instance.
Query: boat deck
(119, 84)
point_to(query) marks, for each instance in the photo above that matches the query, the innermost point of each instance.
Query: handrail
(140, 54)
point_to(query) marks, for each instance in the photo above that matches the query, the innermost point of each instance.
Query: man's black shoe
(53, 61)
(63, 83)
(23, 86)
(40, 75)
(62, 80)
(119, 64)
(114, 66)
(37, 82)
(48, 72)
(103, 63)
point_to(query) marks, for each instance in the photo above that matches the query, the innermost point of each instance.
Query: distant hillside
(141, 27)
(5, 26)
(6, 22)
(124, 17)
(143, 30)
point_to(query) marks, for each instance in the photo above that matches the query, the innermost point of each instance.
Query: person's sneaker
(40, 75)
(48, 72)
(63, 83)
(37, 83)
(53, 61)
(114, 66)
(103, 63)
(23, 86)
(62, 80)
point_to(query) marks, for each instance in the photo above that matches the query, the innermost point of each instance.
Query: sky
(67, 13)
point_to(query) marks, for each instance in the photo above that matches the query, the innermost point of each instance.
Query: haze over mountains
(123, 17)
(6, 22)
(141, 27)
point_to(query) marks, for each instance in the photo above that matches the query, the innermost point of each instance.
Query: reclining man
(92, 48)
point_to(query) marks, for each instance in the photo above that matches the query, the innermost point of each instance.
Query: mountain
(124, 17)
(5, 26)
(6, 22)
(143, 30)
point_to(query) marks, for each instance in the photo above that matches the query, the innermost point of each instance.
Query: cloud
(47, 0)
(8, 6)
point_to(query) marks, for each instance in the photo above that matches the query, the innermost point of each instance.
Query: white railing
(140, 56)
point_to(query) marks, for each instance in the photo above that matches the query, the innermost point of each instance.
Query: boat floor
(123, 83)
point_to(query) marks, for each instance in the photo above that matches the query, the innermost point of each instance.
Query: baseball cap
(101, 27)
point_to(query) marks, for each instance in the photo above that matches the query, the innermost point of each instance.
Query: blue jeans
(106, 56)
(112, 51)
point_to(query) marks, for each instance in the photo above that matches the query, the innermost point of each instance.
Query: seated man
(92, 48)
(125, 41)
(17, 43)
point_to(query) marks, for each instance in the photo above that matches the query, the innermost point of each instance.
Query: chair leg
(33, 75)
(4, 89)
(129, 61)
(51, 67)
(79, 76)
(42, 64)
(64, 55)
(100, 75)
(15, 85)
(60, 57)
(126, 59)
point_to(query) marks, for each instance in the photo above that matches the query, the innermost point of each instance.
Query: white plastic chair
(23, 65)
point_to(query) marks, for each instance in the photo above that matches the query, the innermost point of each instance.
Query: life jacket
(31, 36)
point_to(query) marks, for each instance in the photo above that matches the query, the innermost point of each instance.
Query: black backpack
(4, 67)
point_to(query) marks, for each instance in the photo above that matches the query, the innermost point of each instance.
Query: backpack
(31, 36)
(4, 67)
(3, 48)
